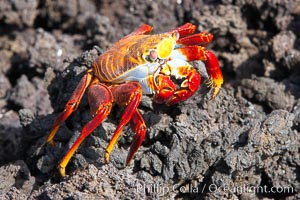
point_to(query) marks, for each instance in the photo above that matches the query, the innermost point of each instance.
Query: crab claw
(177, 81)
(191, 53)
(166, 88)
(187, 88)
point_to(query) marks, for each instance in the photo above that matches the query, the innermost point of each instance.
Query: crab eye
(153, 55)
(176, 35)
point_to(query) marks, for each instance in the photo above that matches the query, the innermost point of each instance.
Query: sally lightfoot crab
(138, 64)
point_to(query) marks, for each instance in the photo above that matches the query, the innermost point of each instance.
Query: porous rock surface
(244, 144)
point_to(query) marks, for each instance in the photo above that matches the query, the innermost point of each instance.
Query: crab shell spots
(166, 46)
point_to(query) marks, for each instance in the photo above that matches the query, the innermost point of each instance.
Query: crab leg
(213, 69)
(202, 39)
(191, 53)
(100, 100)
(184, 30)
(130, 95)
(71, 105)
(143, 29)
(139, 127)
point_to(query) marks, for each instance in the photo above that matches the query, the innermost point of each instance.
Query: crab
(157, 65)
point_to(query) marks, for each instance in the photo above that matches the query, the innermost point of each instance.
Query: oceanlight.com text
(161, 190)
